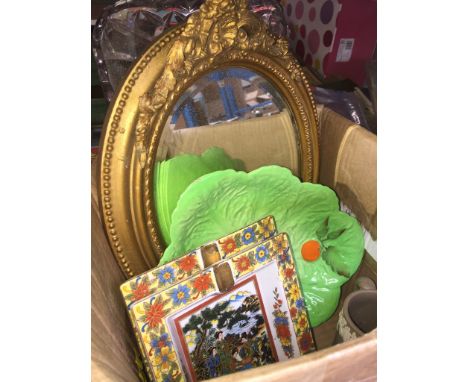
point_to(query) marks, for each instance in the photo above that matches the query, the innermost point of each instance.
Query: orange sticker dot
(310, 250)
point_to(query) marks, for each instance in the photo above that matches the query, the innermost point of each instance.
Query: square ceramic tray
(240, 313)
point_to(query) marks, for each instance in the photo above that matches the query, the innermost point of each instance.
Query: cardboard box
(348, 165)
(348, 162)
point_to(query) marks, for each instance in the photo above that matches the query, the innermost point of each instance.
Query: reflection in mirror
(229, 119)
(225, 96)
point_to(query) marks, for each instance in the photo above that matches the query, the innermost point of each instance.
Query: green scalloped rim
(222, 202)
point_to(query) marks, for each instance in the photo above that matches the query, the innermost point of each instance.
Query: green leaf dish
(173, 176)
(224, 201)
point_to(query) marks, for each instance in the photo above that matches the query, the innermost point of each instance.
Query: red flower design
(288, 273)
(242, 264)
(305, 341)
(202, 283)
(303, 322)
(229, 245)
(187, 263)
(293, 311)
(155, 314)
(283, 331)
(142, 290)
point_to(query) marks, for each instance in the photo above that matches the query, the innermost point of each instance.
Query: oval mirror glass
(228, 119)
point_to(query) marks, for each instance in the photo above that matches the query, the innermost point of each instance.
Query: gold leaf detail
(219, 26)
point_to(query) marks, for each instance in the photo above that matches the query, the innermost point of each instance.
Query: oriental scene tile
(195, 330)
(228, 333)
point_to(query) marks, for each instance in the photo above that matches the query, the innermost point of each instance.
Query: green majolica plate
(173, 176)
(222, 202)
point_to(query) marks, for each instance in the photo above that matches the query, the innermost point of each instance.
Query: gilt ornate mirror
(219, 87)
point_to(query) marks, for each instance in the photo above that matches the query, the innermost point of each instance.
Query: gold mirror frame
(222, 34)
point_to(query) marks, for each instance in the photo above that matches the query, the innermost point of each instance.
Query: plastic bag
(126, 28)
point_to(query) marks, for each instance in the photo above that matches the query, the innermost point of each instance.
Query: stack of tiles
(230, 305)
